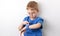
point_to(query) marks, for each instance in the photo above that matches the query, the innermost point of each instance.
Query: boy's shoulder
(39, 18)
(26, 18)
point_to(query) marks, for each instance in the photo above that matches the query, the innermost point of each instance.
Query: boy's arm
(20, 26)
(38, 25)
(35, 26)
(23, 29)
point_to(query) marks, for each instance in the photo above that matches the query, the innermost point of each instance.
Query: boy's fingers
(27, 22)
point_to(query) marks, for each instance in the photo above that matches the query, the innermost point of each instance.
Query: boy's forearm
(35, 26)
(23, 29)
(21, 26)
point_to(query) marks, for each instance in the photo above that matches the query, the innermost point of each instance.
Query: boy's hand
(22, 31)
(20, 27)
(25, 22)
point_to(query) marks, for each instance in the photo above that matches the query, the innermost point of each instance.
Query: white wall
(13, 11)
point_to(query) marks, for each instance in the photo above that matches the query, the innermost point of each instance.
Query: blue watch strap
(27, 26)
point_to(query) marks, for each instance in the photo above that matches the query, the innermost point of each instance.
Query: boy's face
(32, 12)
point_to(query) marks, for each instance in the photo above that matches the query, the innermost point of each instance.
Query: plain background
(12, 13)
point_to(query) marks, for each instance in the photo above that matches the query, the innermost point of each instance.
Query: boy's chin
(32, 16)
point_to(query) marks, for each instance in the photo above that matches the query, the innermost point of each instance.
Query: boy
(32, 24)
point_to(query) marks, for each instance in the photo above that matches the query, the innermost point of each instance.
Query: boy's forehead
(30, 8)
(31, 12)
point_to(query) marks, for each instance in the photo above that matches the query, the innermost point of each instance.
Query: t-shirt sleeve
(40, 20)
(25, 19)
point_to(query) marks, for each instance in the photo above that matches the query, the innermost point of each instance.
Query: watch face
(30, 23)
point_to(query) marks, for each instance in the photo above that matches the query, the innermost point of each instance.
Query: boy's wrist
(27, 26)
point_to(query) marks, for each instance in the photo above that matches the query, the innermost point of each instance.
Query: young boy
(32, 24)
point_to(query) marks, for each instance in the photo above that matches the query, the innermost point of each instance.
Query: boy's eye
(28, 13)
(33, 12)
(32, 9)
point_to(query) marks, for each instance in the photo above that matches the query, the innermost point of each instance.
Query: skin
(33, 14)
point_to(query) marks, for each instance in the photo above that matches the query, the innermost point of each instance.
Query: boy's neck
(32, 18)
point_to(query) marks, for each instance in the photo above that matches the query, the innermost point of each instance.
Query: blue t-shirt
(33, 32)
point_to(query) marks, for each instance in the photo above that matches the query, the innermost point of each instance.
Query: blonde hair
(32, 4)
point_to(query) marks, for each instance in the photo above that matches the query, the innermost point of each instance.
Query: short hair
(33, 4)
